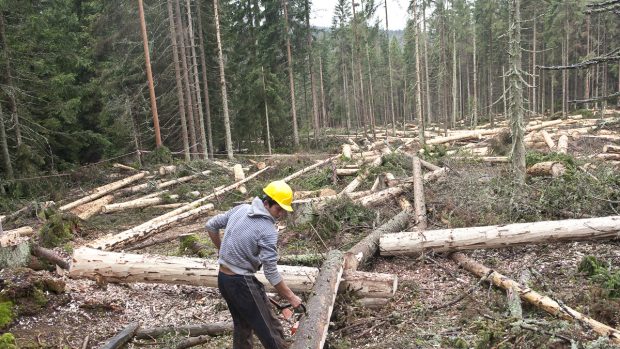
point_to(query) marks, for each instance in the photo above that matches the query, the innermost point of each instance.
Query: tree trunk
(367, 247)
(534, 47)
(563, 144)
(138, 203)
(290, 75)
(50, 256)
(454, 80)
(312, 331)
(536, 299)
(205, 81)
(547, 168)
(211, 329)
(387, 33)
(323, 107)
(418, 87)
(475, 77)
(548, 139)
(149, 74)
(92, 208)
(229, 150)
(188, 94)
(9, 81)
(315, 112)
(101, 191)
(160, 185)
(266, 111)
(612, 149)
(426, 80)
(127, 268)
(239, 176)
(179, 84)
(309, 168)
(201, 124)
(122, 337)
(499, 236)
(8, 168)
(362, 176)
(418, 192)
(516, 93)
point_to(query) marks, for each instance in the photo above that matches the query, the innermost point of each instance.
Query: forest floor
(437, 304)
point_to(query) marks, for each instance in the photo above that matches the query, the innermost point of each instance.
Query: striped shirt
(250, 240)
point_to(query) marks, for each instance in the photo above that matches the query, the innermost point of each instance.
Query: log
(418, 192)
(608, 156)
(213, 329)
(101, 191)
(190, 242)
(164, 170)
(50, 256)
(497, 236)
(239, 175)
(302, 259)
(127, 268)
(543, 302)
(13, 235)
(547, 168)
(92, 208)
(362, 176)
(145, 230)
(346, 151)
(612, 149)
(309, 168)
(15, 253)
(563, 144)
(373, 303)
(361, 252)
(548, 139)
(384, 195)
(313, 327)
(123, 167)
(346, 171)
(122, 338)
(138, 203)
(145, 186)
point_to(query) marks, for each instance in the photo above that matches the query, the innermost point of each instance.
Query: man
(249, 242)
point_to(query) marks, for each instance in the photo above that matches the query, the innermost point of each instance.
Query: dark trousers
(251, 312)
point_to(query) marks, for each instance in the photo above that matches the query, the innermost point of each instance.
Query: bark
(543, 302)
(418, 192)
(229, 150)
(346, 151)
(309, 168)
(361, 252)
(127, 268)
(149, 75)
(239, 176)
(143, 187)
(14, 252)
(124, 167)
(147, 229)
(516, 93)
(101, 191)
(548, 139)
(179, 84)
(266, 111)
(212, 329)
(313, 327)
(50, 256)
(186, 81)
(426, 79)
(497, 236)
(563, 144)
(387, 33)
(323, 108)
(291, 79)
(612, 149)
(418, 86)
(92, 208)
(8, 168)
(547, 168)
(380, 197)
(201, 125)
(608, 156)
(205, 81)
(122, 337)
(138, 203)
(347, 171)
(315, 112)
(302, 259)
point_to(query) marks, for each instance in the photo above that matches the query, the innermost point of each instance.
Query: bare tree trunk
(387, 33)
(266, 111)
(418, 87)
(315, 111)
(205, 82)
(504, 92)
(371, 100)
(345, 92)
(357, 48)
(323, 109)
(290, 74)
(179, 84)
(186, 81)
(5, 147)
(201, 123)
(426, 80)
(454, 81)
(149, 74)
(229, 150)
(475, 87)
(534, 47)
(516, 93)
(9, 77)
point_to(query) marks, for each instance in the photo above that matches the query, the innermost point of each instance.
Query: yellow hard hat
(281, 193)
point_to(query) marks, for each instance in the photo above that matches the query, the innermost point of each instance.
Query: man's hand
(295, 301)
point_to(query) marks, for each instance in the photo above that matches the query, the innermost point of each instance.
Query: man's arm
(215, 238)
(286, 293)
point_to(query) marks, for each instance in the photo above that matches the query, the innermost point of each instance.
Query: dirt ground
(437, 303)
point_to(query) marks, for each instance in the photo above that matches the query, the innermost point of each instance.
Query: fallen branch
(122, 337)
(213, 329)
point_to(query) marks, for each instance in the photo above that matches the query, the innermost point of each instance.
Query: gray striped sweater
(250, 240)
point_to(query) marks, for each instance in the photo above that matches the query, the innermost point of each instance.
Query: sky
(323, 12)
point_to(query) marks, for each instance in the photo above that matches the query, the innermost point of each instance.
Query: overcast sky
(323, 12)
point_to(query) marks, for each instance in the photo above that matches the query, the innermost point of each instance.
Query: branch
(611, 8)
(612, 56)
(603, 4)
(613, 95)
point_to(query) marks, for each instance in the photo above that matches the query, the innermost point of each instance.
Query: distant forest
(258, 78)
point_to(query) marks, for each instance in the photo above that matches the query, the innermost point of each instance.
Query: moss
(567, 160)
(58, 228)
(7, 341)
(6, 313)
(39, 297)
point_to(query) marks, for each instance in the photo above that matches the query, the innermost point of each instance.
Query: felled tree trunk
(190, 242)
(380, 197)
(92, 208)
(543, 302)
(161, 185)
(313, 328)
(144, 230)
(122, 337)
(346, 151)
(50, 256)
(496, 236)
(608, 156)
(239, 175)
(213, 329)
(612, 149)
(563, 144)
(548, 139)
(547, 168)
(418, 192)
(309, 168)
(361, 177)
(138, 203)
(101, 191)
(127, 268)
(15, 252)
(367, 247)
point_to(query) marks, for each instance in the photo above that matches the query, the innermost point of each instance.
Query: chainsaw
(290, 315)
